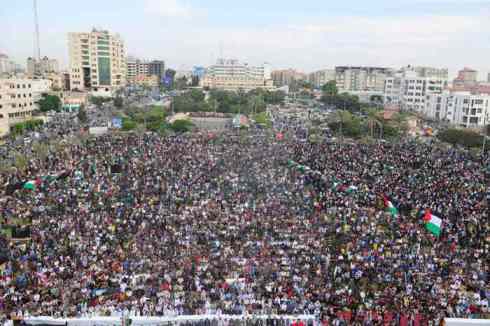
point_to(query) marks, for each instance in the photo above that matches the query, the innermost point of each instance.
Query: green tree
(461, 137)
(197, 95)
(195, 81)
(374, 121)
(376, 98)
(128, 124)
(99, 100)
(181, 83)
(49, 103)
(181, 126)
(118, 102)
(82, 115)
(330, 88)
(346, 124)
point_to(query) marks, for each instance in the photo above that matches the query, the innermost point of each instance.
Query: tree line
(223, 101)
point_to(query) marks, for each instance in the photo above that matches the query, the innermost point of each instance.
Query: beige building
(97, 62)
(18, 99)
(138, 70)
(321, 77)
(426, 72)
(7, 66)
(286, 77)
(135, 68)
(233, 76)
(144, 80)
(361, 79)
(42, 67)
(466, 78)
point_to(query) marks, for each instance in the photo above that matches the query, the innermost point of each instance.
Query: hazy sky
(308, 35)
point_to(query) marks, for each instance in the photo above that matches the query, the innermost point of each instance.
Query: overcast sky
(308, 35)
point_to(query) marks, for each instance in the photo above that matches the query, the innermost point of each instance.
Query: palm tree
(400, 119)
(373, 120)
(342, 117)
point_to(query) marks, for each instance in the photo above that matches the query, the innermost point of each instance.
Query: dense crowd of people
(184, 225)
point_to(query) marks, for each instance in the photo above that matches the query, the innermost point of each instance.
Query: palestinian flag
(432, 223)
(351, 189)
(390, 207)
(30, 185)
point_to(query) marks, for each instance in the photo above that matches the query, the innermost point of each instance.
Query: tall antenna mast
(36, 24)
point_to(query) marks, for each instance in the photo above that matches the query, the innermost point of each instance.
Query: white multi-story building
(97, 62)
(361, 79)
(18, 99)
(232, 75)
(7, 66)
(321, 77)
(429, 72)
(462, 109)
(409, 89)
(42, 67)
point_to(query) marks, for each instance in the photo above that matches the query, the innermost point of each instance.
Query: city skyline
(441, 33)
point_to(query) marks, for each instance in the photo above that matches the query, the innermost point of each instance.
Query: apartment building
(7, 66)
(361, 79)
(18, 99)
(157, 68)
(97, 62)
(409, 88)
(321, 77)
(232, 75)
(427, 72)
(138, 69)
(286, 77)
(41, 67)
(459, 108)
(466, 78)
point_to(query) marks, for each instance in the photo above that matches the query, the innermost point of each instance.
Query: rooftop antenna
(36, 24)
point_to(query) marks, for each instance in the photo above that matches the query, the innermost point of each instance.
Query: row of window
(473, 111)
(20, 105)
(19, 114)
(13, 86)
(18, 96)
